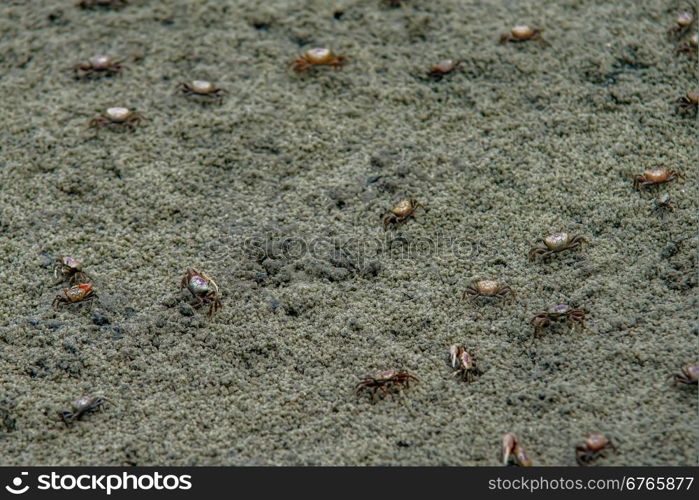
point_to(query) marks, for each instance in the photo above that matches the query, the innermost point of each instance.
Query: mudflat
(277, 191)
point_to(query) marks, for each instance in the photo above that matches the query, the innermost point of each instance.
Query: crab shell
(402, 208)
(319, 55)
(200, 284)
(71, 263)
(487, 287)
(556, 241)
(596, 442)
(657, 174)
(100, 62)
(78, 292)
(118, 114)
(202, 87)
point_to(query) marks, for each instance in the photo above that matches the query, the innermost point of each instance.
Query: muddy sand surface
(277, 191)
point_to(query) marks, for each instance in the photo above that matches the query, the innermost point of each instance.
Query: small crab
(687, 104)
(562, 311)
(466, 367)
(402, 210)
(204, 290)
(664, 204)
(81, 406)
(201, 88)
(488, 289)
(592, 447)
(91, 4)
(383, 381)
(556, 242)
(117, 116)
(521, 33)
(512, 452)
(75, 295)
(69, 269)
(443, 67)
(689, 375)
(318, 56)
(683, 23)
(654, 177)
(97, 66)
(690, 45)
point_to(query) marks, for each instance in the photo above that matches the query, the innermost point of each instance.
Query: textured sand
(278, 193)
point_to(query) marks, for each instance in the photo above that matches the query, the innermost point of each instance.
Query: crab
(555, 243)
(318, 56)
(467, 369)
(81, 406)
(593, 445)
(664, 204)
(488, 289)
(687, 104)
(690, 46)
(556, 313)
(512, 452)
(201, 88)
(76, 295)
(689, 375)
(383, 381)
(117, 116)
(402, 210)
(683, 23)
(69, 269)
(442, 68)
(97, 66)
(204, 290)
(91, 4)
(654, 177)
(521, 33)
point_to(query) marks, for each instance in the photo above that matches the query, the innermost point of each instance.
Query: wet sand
(278, 193)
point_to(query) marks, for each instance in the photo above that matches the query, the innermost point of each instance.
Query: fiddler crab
(466, 367)
(204, 290)
(690, 46)
(688, 376)
(562, 311)
(400, 212)
(318, 56)
(69, 269)
(654, 177)
(683, 23)
(592, 447)
(384, 381)
(443, 67)
(555, 243)
(521, 33)
(201, 88)
(76, 295)
(664, 204)
(488, 289)
(81, 406)
(97, 66)
(512, 452)
(117, 116)
(687, 104)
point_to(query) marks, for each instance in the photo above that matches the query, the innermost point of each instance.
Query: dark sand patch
(278, 193)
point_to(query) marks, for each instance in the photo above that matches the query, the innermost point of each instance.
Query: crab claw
(509, 442)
